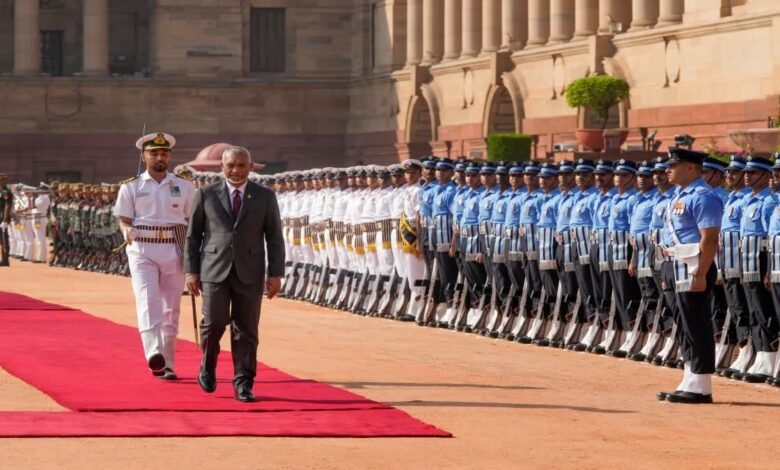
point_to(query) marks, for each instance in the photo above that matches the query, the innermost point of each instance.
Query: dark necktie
(236, 203)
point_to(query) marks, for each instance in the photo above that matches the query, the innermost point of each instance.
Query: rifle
(538, 322)
(653, 337)
(723, 350)
(573, 327)
(610, 335)
(556, 323)
(635, 336)
(523, 319)
(430, 303)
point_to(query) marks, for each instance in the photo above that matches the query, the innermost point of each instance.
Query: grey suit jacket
(216, 242)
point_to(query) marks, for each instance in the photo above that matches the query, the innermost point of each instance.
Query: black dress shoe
(244, 394)
(662, 395)
(599, 350)
(738, 375)
(156, 362)
(619, 353)
(639, 357)
(169, 374)
(207, 381)
(756, 378)
(688, 398)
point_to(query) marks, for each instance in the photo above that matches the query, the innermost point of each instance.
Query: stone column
(491, 25)
(618, 10)
(433, 31)
(95, 37)
(472, 28)
(670, 12)
(538, 22)
(645, 14)
(413, 32)
(27, 37)
(561, 20)
(452, 29)
(586, 18)
(514, 24)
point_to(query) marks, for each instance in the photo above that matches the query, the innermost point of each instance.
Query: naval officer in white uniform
(153, 209)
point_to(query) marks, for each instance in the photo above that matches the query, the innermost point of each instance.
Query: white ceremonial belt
(687, 253)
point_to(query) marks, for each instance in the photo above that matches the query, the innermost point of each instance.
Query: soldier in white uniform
(415, 264)
(40, 207)
(153, 210)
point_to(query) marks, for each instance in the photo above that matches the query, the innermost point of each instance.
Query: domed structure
(210, 158)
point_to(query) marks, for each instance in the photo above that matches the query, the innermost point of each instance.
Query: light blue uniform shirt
(549, 209)
(514, 207)
(601, 209)
(694, 208)
(565, 207)
(757, 212)
(470, 214)
(582, 208)
(732, 210)
(642, 213)
(622, 206)
(486, 204)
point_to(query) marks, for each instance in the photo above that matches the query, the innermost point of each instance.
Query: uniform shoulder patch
(127, 180)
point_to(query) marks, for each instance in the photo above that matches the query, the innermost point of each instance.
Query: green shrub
(509, 147)
(598, 94)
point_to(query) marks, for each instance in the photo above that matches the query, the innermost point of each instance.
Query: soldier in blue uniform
(425, 227)
(548, 207)
(487, 175)
(641, 265)
(441, 211)
(566, 250)
(729, 267)
(713, 173)
(498, 217)
(514, 258)
(599, 252)
(620, 250)
(754, 228)
(469, 235)
(665, 192)
(529, 220)
(581, 225)
(693, 225)
(773, 277)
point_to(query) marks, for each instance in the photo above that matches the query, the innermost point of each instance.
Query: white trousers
(28, 239)
(158, 281)
(39, 233)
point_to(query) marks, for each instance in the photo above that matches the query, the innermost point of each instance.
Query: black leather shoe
(688, 398)
(156, 362)
(738, 375)
(599, 350)
(207, 381)
(756, 378)
(244, 394)
(169, 374)
(662, 395)
(639, 357)
(618, 353)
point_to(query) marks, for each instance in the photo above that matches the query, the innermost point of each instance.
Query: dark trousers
(585, 273)
(740, 315)
(5, 247)
(501, 282)
(531, 269)
(662, 277)
(550, 283)
(238, 304)
(602, 284)
(719, 307)
(627, 293)
(448, 277)
(568, 278)
(698, 338)
(475, 272)
(650, 294)
(763, 323)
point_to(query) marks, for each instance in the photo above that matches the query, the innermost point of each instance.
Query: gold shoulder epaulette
(127, 180)
(188, 178)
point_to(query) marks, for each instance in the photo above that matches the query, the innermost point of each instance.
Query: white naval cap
(156, 140)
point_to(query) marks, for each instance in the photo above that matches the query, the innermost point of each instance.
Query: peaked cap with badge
(157, 140)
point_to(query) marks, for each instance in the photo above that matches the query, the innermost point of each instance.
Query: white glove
(3, 225)
(130, 234)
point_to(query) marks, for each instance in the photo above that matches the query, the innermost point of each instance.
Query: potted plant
(759, 141)
(598, 94)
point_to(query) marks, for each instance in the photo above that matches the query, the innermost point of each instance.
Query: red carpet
(356, 423)
(11, 301)
(89, 364)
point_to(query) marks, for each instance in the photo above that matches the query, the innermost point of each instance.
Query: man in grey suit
(234, 224)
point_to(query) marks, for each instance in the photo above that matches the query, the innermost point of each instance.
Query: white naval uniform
(39, 211)
(340, 215)
(384, 248)
(396, 209)
(415, 265)
(156, 269)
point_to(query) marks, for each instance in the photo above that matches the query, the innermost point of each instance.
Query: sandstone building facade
(334, 82)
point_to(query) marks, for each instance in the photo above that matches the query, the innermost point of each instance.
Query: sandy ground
(508, 405)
